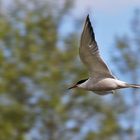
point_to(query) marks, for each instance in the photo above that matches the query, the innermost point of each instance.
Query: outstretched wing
(89, 53)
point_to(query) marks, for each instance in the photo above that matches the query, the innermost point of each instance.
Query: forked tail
(133, 85)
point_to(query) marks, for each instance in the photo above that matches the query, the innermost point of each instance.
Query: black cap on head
(81, 81)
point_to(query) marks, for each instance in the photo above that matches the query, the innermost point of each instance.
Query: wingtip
(87, 17)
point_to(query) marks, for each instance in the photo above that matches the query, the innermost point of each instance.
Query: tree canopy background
(38, 64)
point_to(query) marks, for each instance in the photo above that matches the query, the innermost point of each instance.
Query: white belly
(105, 86)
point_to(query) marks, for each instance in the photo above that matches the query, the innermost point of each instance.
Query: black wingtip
(88, 20)
(89, 26)
(87, 17)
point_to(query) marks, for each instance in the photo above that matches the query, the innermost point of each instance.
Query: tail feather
(133, 85)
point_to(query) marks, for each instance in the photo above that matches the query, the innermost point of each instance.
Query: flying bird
(101, 81)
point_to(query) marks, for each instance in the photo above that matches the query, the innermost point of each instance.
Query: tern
(101, 81)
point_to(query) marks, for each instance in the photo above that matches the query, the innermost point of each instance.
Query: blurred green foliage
(35, 73)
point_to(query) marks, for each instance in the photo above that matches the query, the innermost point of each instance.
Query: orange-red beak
(74, 86)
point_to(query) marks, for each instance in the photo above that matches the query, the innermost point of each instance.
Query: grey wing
(89, 53)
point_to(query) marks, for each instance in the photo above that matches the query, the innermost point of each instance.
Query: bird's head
(78, 84)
